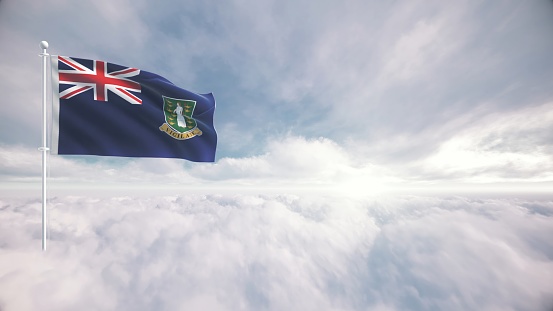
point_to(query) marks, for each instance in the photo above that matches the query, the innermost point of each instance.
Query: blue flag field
(105, 109)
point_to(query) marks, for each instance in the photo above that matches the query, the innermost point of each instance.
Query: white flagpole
(44, 148)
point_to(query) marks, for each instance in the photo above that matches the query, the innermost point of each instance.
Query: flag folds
(105, 109)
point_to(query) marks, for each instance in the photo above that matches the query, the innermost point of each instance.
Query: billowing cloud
(484, 153)
(291, 158)
(513, 146)
(277, 252)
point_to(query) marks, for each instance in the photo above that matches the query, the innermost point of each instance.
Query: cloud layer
(277, 252)
(501, 149)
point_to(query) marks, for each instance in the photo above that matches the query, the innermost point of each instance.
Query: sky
(371, 156)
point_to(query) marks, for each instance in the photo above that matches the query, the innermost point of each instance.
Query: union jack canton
(98, 79)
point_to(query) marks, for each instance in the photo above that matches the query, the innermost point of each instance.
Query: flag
(106, 109)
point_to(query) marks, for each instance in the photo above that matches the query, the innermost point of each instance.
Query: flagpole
(44, 148)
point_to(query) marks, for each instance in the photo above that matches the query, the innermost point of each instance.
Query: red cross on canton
(99, 80)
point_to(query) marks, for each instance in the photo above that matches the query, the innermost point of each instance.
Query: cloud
(22, 166)
(285, 162)
(495, 234)
(289, 157)
(277, 252)
(503, 146)
(480, 157)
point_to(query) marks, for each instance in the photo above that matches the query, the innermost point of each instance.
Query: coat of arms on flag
(179, 122)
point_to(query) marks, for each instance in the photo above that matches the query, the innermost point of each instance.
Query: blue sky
(372, 156)
(426, 91)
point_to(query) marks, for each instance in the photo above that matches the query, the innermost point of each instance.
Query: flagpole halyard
(44, 148)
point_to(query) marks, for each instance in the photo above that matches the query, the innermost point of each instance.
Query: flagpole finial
(43, 45)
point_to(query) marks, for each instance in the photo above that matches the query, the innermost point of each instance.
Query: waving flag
(101, 108)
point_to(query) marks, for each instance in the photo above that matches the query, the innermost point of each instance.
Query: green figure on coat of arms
(179, 123)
